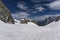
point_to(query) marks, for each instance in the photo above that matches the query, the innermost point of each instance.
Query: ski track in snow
(29, 31)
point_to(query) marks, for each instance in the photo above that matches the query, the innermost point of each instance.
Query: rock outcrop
(5, 15)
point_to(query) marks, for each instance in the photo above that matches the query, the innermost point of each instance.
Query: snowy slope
(29, 31)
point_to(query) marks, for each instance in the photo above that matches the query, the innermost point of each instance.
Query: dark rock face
(5, 15)
(48, 20)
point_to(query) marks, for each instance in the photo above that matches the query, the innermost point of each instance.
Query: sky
(32, 9)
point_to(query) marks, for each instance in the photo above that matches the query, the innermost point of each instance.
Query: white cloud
(22, 5)
(54, 5)
(26, 8)
(44, 17)
(40, 8)
(20, 15)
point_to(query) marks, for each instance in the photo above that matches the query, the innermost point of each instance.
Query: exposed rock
(5, 15)
(25, 21)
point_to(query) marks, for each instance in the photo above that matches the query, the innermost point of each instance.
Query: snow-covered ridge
(29, 31)
(29, 23)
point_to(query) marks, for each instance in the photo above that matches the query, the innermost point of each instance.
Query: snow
(29, 31)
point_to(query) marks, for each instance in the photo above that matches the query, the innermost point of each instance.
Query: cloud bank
(20, 15)
(54, 5)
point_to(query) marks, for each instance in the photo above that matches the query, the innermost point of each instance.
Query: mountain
(44, 22)
(48, 20)
(5, 14)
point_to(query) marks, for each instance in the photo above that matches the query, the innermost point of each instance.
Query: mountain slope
(5, 14)
(29, 31)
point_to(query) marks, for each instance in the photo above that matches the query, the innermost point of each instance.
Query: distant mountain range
(48, 20)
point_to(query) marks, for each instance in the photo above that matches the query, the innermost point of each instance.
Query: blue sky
(32, 8)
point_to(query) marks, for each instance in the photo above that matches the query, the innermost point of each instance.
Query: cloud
(42, 1)
(54, 5)
(20, 15)
(25, 8)
(41, 18)
(28, 9)
(40, 8)
(21, 5)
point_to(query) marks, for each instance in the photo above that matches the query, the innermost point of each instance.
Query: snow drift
(29, 31)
